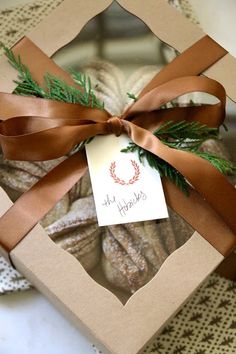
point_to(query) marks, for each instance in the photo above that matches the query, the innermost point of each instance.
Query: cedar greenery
(132, 96)
(187, 136)
(55, 88)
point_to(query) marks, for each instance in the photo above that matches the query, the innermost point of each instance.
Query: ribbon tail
(197, 213)
(205, 178)
(33, 205)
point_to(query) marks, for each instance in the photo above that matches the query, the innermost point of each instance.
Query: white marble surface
(30, 325)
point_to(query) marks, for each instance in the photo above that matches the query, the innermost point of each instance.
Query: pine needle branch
(55, 88)
(89, 97)
(132, 96)
(186, 136)
(27, 86)
(224, 166)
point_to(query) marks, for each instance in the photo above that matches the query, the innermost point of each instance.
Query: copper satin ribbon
(37, 129)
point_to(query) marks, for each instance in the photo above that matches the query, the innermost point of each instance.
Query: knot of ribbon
(35, 129)
(116, 125)
(39, 129)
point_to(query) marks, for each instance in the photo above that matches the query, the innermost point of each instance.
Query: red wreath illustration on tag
(120, 181)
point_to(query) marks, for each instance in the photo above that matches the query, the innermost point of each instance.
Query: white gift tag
(125, 190)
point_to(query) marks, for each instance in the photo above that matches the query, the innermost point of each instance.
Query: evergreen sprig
(224, 166)
(89, 97)
(55, 88)
(186, 136)
(27, 86)
(132, 96)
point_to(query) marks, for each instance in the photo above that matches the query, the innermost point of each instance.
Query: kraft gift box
(116, 327)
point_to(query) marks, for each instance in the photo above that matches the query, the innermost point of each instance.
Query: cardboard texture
(115, 328)
(122, 329)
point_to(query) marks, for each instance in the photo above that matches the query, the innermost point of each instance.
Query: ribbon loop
(42, 129)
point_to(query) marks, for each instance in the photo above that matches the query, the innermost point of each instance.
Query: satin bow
(39, 129)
